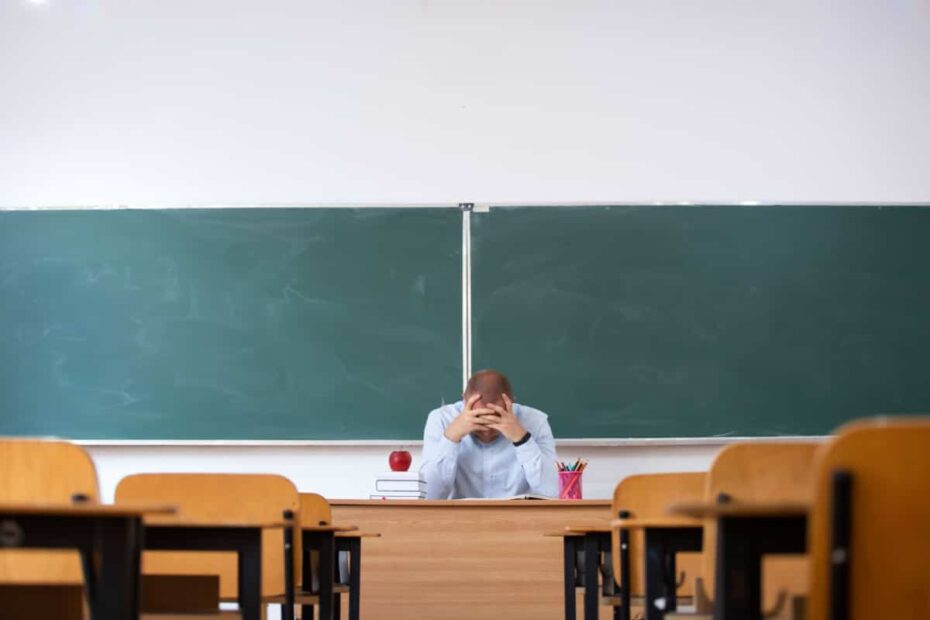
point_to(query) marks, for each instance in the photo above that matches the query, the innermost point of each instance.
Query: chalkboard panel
(681, 321)
(228, 323)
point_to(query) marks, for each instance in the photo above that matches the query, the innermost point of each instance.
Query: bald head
(492, 385)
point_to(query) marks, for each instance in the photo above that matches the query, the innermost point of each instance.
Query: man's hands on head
(506, 422)
(470, 420)
(477, 417)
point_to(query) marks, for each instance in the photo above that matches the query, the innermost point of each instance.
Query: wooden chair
(221, 498)
(315, 511)
(760, 472)
(646, 496)
(869, 530)
(44, 471)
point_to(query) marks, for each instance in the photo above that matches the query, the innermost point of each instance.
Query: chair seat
(165, 594)
(36, 600)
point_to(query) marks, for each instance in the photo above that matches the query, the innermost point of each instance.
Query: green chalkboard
(228, 323)
(680, 321)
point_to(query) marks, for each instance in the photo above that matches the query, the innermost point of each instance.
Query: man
(488, 446)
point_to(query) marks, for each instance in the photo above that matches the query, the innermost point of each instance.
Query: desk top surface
(335, 529)
(741, 509)
(89, 509)
(184, 522)
(657, 523)
(473, 503)
(581, 529)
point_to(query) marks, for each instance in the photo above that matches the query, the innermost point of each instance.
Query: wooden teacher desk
(465, 558)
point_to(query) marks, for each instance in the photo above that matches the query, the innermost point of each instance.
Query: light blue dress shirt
(472, 468)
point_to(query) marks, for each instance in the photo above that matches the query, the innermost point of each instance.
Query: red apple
(400, 460)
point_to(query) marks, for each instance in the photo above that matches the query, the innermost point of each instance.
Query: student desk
(243, 538)
(745, 533)
(107, 537)
(465, 558)
(584, 548)
(325, 540)
(664, 538)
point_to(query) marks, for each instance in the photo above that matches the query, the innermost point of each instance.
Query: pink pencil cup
(570, 484)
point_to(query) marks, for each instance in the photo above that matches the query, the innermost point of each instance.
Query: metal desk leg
(327, 566)
(591, 562)
(355, 578)
(741, 544)
(738, 575)
(306, 580)
(117, 588)
(250, 576)
(287, 610)
(609, 587)
(90, 578)
(654, 573)
(661, 547)
(625, 595)
(568, 575)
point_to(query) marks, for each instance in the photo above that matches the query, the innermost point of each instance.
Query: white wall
(348, 472)
(367, 101)
(311, 101)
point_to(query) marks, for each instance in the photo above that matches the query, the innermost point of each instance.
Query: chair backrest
(888, 464)
(222, 498)
(46, 471)
(756, 472)
(646, 496)
(315, 510)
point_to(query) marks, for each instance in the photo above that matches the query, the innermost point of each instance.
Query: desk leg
(90, 578)
(117, 584)
(738, 574)
(654, 573)
(670, 583)
(661, 547)
(287, 610)
(568, 575)
(306, 578)
(591, 562)
(250, 577)
(327, 566)
(137, 568)
(355, 578)
(609, 587)
(741, 544)
(625, 595)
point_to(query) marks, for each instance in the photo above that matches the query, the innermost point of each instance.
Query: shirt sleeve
(537, 457)
(440, 455)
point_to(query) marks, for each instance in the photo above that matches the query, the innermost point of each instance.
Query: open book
(498, 499)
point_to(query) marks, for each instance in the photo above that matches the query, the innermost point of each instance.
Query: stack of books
(399, 485)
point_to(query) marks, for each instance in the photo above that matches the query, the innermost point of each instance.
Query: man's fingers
(472, 400)
(487, 420)
(508, 402)
(500, 410)
(483, 411)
